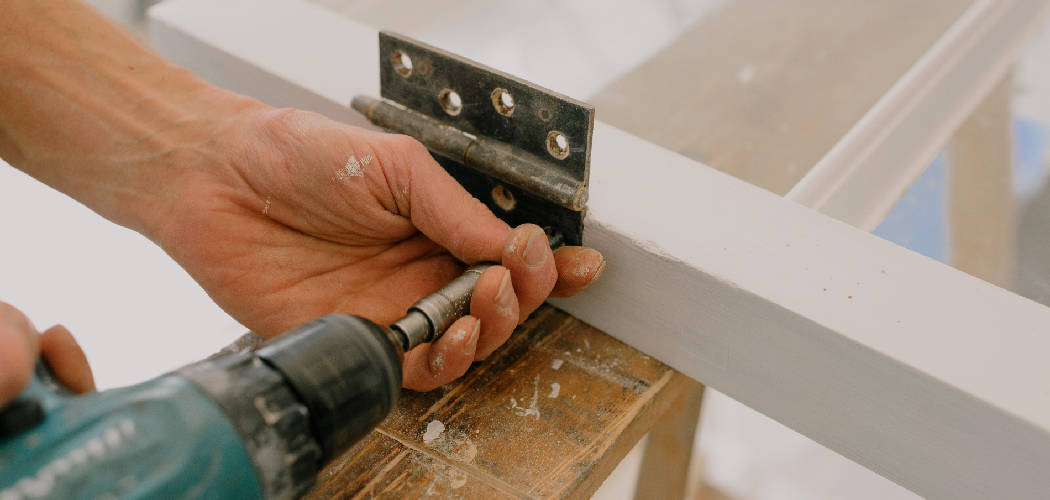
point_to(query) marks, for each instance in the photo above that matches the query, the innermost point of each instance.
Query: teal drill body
(253, 424)
(160, 439)
(243, 425)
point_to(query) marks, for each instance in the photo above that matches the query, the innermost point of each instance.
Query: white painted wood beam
(864, 175)
(932, 378)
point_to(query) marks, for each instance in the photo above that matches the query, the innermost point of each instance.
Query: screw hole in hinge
(557, 145)
(451, 101)
(503, 198)
(402, 63)
(503, 102)
(554, 238)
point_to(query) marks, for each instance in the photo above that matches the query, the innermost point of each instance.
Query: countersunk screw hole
(402, 63)
(503, 102)
(503, 198)
(555, 238)
(557, 145)
(451, 101)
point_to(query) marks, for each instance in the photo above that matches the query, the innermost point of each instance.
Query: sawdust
(465, 450)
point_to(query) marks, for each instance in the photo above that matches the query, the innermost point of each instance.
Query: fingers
(496, 305)
(432, 365)
(578, 267)
(66, 359)
(442, 209)
(527, 255)
(19, 344)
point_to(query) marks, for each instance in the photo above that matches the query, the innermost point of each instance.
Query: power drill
(250, 424)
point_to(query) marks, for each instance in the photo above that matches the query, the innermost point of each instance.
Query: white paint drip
(557, 364)
(437, 365)
(434, 429)
(555, 390)
(352, 169)
(266, 209)
(532, 409)
(586, 343)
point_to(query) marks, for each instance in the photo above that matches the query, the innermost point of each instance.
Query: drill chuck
(345, 369)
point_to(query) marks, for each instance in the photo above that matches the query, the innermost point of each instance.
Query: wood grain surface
(506, 434)
(762, 89)
(982, 211)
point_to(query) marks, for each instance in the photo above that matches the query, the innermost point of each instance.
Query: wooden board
(866, 173)
(837, 105)
(933, 378)
(762, 89)
(507, 430)
(982, 211)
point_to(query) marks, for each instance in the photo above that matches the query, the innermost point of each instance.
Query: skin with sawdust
(259, 205)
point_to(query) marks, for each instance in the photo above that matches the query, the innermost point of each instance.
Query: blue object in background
(1030, 157)
(919, 221)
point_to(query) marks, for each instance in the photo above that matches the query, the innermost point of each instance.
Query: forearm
(92, 112)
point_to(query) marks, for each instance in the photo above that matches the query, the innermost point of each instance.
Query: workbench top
(548, 415)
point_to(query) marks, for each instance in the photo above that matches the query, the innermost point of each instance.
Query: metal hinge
(521, 149)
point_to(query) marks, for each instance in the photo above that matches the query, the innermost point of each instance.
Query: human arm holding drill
(247, 199)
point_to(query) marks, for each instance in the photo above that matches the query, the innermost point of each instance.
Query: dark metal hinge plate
(521, 149)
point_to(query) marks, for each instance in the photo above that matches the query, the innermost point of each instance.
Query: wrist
(187, 160)
(88, 110)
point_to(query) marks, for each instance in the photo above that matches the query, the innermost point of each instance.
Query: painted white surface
(726, 282)
(278, 79)
(864, 175)
(135, 312)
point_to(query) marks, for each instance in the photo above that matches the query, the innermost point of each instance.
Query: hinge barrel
(502, 161)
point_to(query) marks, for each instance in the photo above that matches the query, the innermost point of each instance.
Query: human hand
(261, 206)
(291, 216)
(20, 345)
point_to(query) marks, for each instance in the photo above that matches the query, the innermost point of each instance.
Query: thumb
(19, 345)
(439, 206)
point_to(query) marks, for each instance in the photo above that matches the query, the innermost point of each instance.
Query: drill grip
(345, 369)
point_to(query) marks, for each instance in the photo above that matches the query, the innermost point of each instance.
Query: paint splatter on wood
(576, 440)
(434, 429)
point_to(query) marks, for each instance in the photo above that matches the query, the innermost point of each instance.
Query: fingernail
(471, 345)
(597, 274)
(505, 295)
(535, 249)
